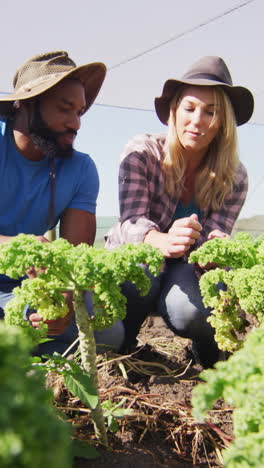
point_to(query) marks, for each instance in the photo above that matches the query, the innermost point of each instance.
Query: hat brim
(241, 98)
(91, 75)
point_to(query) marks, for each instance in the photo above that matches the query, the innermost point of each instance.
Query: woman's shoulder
(152, 144)
(241, 174)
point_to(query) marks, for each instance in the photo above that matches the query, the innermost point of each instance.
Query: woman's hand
(217, 233)
(183, 233)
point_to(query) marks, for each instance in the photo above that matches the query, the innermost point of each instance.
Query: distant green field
(253, 225)
(103, 224)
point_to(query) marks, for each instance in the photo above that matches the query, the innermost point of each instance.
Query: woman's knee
(138, 306)
(132, 293)
(108, 338)
(180, 301)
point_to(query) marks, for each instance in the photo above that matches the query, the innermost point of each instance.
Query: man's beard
(46, 139)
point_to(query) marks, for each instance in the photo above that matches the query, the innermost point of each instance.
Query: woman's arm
(137, 172)
(135, 197)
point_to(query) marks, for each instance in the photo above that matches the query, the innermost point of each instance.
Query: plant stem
(88, 357)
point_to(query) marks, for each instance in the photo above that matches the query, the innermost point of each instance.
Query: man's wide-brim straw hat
(44, 71)
(208, 71)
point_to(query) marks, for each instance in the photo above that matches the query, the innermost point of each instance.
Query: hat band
(206, 76)
(42, 79)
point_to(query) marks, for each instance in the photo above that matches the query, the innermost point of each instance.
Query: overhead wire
(124, 107)
(161, 44)
(164, 43)
(182, 34)
(139, 109)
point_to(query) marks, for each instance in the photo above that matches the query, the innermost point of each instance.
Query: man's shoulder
(80, 162)
(79, 155)
(82, 158)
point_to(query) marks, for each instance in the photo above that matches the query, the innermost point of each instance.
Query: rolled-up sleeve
(134, 197)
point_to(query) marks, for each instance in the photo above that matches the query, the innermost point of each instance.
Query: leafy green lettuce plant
(242, 273)
(63, 267)
(240, 381)
(31, 432)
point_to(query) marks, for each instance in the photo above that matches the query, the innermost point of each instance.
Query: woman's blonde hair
(216, 174)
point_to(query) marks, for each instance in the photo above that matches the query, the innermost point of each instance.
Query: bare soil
(156, 382)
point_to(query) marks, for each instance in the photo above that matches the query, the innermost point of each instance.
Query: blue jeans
(175, 296)
(112, 337)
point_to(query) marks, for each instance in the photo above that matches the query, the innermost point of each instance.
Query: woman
(181, 189)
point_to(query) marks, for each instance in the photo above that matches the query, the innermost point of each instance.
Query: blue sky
(143, 43)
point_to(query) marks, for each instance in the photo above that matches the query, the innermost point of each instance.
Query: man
(43, 179)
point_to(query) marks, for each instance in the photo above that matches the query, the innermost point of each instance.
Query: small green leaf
(123, 370)
(120, 413)
(112, 424)
(82, 449)
(45, 340)
(35, 360)
(80, 385)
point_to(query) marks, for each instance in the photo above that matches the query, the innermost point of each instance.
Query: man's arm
(78, 226)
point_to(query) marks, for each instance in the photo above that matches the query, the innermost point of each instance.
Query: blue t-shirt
(25, 187)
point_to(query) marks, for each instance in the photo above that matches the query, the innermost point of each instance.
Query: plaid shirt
(144, 203)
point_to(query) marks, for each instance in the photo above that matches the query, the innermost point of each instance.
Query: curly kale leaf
(104, 271)
(61, 267)
(218, 292)
(240, 381)
(248, 286)
(239, 252)
(42, 296)
(31, 433)
(23, 252)
(231, 293)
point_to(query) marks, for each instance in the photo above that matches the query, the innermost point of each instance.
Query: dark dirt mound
(155, 382)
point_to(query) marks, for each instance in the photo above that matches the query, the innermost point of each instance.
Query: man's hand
(55, 327)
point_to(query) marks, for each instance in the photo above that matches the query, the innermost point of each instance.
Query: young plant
(240, 381)
(31, 432)
(112, 412)
(62, 267)
(242, 285)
